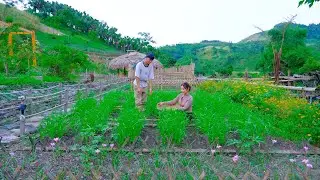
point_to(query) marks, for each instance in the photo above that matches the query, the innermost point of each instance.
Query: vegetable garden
(238, 130)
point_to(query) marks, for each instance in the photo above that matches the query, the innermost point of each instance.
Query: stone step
(28, 129)
(9, 138)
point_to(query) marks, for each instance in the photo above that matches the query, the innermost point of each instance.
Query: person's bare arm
(172, 102)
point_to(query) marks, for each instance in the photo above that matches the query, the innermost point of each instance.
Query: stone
(12, 126)
(28, 130)
(4, 132)
(9, 138)
(34, 119)
(34, 124)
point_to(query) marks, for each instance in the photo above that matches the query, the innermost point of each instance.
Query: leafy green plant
(130, 122)
(172, 126)
(87, 119)
(154, 99)
(52, 79)
(19, 80)
(296, 118)
(54, 126)
(225, 121)
(63, 61)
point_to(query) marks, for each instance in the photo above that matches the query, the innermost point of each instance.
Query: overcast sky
(176, 21)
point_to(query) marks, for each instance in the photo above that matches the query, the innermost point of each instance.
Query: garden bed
(226, 138)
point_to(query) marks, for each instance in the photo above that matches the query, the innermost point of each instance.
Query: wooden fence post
(22, 124)
(100, 91)
(161, 81)
(87, 90)
(66, 100)
(60, 87)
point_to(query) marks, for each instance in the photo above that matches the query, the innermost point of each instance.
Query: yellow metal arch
(33, 39)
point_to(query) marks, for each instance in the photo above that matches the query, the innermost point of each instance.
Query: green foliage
(54, 126)
(217, 115)
(77, 41)
(22, 18)
(210, 57)
(62, 16)
(52, 79)
(308, 2)
(166, 60)
(295, 52)
(131, 122)
(21, 59)
(63, 61)
(9, 19)
(88, 118)
(172, 126)
(19, 80)
(294, 118)
(310, 65)
(154, 99)
(226, 71)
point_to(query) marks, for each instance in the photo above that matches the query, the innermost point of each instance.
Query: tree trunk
(277, 68)
(6, 68)
(289, 74)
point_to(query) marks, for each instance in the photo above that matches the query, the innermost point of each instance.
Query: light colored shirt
(144, 74)
(184, 102)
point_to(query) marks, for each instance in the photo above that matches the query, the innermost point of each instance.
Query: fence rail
(55, 98)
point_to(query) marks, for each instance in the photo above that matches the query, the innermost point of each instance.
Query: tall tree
(276, 43)
(308, 2)
(294, 52)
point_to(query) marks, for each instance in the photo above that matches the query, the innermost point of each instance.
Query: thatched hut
(126, 62)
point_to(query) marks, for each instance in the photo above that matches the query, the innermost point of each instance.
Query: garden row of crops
(220, 114)
(287, 116)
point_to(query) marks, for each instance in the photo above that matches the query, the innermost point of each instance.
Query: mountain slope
(48, 36)
(212, 56)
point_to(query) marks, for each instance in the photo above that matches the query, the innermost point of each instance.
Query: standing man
(144, 73)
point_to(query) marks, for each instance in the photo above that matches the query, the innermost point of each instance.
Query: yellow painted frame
(33, 39)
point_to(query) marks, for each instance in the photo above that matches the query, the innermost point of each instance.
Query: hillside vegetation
(212, 57)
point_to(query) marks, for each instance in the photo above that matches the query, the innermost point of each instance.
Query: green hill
(66, 40)
(212, 56)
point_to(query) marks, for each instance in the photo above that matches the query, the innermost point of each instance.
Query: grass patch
(172, 126)
(22, 18)
(295, 118)
(76, 41)
(88, 118)
(130, 120)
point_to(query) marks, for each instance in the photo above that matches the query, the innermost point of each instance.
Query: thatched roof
(125, 60)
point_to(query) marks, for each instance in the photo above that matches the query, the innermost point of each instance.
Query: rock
(4, 132)
(34, 124)
(12, 126)
(34, 119)
(16, 132)
(28, 130)
(9, 138)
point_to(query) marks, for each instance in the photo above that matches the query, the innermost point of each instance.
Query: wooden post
(87, 90)
(66, 100)
(161, 79)
(289, 74)
(60, 95)
(22, 124)
(100, 91)
(30, 106)
(79, 86)
(34, 58)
